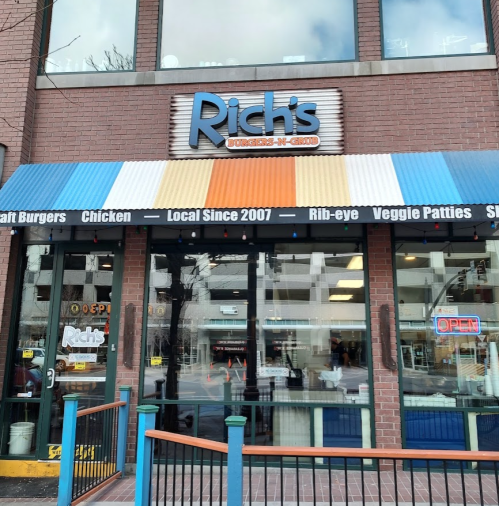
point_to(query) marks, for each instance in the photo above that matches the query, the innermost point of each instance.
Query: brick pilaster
(132, 293)
(147, 35)
(369, 31)
(386, 382)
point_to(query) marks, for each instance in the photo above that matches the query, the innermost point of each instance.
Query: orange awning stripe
(252, 182)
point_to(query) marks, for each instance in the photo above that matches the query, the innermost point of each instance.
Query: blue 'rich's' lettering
(307, 122)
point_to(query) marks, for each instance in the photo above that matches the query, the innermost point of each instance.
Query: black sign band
(246, 216)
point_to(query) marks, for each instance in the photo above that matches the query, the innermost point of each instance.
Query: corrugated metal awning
(334, 182)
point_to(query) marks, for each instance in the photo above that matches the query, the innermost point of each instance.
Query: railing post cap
(235, 421)
(124, 388)
(71, 397)
(147, 409)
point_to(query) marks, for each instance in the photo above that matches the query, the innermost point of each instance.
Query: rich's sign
(303, 123)
(216, 125)
(464, 325)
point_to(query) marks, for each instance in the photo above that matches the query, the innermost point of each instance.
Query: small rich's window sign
(464, 325)
(77, 338)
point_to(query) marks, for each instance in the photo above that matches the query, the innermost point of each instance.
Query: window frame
(488, 33)
(251, 65)
(45, 39)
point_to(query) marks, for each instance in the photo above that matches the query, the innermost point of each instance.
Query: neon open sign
(469, 325)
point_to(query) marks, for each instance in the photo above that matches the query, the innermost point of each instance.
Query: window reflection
(91, 35)
(310, 325)
(447, 279)
(26, 377)
(433, 27)
(224, 33)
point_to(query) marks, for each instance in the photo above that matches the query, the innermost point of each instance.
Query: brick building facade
(429, 104)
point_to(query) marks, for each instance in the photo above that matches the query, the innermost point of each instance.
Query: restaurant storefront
(277, 311)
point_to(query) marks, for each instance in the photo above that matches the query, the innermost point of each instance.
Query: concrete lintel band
(269, 72)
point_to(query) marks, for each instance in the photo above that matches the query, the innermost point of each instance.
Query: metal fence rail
(354, 476)
(268, 475)
(185, 483)
(95, 447)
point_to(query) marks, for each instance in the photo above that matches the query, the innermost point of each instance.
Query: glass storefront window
(413, 28)
(29, 356)
(224, 33)
(287, 324)
(454, 363)
(90, 35)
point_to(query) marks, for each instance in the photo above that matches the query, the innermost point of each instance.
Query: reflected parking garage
(284, 323)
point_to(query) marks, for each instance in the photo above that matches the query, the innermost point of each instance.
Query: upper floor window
(415, 28)
(90, 36)
(210, 33)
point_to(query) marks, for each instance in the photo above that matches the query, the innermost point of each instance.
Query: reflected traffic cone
(228, 377)
(244, 363)
(230, 363)
(211, 365)
(244, 376)
(209, 379)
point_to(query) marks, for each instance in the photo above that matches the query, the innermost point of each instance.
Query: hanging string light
(96, 240)
(295, 234)
(492, 224)
(424, 238)
(50, 236)
(437, 225)
(193, 235)
(226, 234)
(475, 235)
(345, 227)
(180, 237)
(244, 237)
(14, 231)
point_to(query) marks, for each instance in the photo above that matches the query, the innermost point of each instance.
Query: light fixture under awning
(384, 188)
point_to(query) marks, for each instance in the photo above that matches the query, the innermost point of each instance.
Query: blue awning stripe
(35, 187)
(476, 174)
(425, 179)
(88, 186)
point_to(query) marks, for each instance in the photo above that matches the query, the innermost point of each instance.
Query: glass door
(83, 337)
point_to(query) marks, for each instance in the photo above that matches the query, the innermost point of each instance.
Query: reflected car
(61, 361)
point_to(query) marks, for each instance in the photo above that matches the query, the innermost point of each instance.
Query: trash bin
(21, 435)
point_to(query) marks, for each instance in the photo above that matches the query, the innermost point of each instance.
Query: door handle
(51, 377)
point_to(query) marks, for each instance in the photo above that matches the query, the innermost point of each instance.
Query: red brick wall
(369, 32)
(383, 114)
(17, 100)
(147, 35)
(132, 293)
(386, 384)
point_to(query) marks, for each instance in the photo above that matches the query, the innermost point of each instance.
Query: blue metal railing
(100, 435)
(303, 474)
